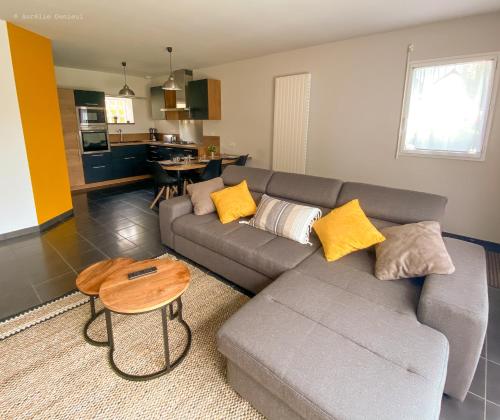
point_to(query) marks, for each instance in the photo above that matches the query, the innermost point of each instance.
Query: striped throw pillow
(292, 221)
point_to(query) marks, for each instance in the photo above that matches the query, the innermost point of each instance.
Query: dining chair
(163, 182)
(242, 160)
(212, 170)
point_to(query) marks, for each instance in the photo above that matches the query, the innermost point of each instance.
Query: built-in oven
(94, 138)
(88, 115)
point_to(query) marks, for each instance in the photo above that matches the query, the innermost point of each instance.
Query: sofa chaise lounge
(327, 340)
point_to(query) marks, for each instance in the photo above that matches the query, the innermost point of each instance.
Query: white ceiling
(205, 33)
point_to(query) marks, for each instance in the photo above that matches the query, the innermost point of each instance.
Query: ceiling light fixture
(170, 83)
(125, 91)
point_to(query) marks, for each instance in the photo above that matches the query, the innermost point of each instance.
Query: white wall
(357, 87)
(111, 83)
(17, 209)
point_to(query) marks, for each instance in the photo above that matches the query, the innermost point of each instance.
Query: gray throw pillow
(200, 195)
(412, 250)
(292, 221)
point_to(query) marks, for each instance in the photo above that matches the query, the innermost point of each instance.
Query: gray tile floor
(107, 223)
(118, 222)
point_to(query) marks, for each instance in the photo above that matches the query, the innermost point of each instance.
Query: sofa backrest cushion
(257, 179)
(312, 190)
(394, 205)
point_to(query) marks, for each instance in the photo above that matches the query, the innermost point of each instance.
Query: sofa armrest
(457, 305)
(169, 211)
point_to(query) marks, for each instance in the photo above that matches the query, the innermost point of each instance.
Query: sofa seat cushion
(261, 251)
(205, 230)
(281, 254)
(329, 353)
(355, 273)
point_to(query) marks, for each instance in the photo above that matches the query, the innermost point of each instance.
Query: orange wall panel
(40, 116)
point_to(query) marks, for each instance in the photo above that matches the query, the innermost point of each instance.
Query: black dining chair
(163, 182)
(212, 170)
(242, 160)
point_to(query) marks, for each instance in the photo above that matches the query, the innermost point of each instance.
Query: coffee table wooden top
(89, 280)
(144, 294)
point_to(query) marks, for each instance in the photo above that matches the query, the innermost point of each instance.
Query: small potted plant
(212, 149)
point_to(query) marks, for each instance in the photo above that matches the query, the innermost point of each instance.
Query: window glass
(447, 107)
(119, 110)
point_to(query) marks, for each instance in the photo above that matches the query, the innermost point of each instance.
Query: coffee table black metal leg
(93, 317)
(178, 315)
(168, 366)
(165, 338)
(171, 310)
(109, 330)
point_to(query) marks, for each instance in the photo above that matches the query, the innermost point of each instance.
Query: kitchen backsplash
(191, 130)
(165, 126)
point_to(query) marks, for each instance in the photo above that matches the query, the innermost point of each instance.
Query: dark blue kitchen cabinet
(89, 98)
(165, 152)
(204, 99)
(157, 152)
(121, 162)
(128, 161)
(97, 167)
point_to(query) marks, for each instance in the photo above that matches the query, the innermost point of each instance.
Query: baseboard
(20, 232)
(37, 229)
(489, 246)
(55, 220)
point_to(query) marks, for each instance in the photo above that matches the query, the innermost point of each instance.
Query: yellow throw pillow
(346, 229)
(234, 202)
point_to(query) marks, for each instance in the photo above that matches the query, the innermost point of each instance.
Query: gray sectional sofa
(327, 340)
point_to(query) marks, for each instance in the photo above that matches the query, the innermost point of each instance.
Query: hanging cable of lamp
(170, 83)
(125, 91)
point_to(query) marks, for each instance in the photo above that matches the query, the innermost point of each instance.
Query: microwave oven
(94, 139)
(88, 115)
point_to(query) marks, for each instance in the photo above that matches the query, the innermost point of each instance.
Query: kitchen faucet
(121, 134)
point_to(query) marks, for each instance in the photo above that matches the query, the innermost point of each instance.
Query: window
(447, 107)
(119, 110)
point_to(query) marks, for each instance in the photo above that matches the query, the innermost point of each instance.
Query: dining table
(192, 164)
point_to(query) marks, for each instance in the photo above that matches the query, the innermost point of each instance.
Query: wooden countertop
(155, 143)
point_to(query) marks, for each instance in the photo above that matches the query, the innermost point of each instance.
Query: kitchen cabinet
(180, 152)
(89, 98)
(164, 152)
(121, 162)
(155, 152)
(128, 161)
(204, 99)
(71, 137)
(162, 99)
(97, 167)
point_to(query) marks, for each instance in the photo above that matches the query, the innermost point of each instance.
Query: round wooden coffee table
(89, 281)
(149, 292)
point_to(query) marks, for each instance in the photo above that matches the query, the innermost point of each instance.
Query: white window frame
(406, 103)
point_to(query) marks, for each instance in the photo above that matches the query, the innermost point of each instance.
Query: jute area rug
(48, 370)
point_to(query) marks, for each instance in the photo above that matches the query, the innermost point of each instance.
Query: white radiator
(291, 119)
